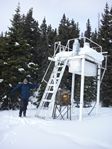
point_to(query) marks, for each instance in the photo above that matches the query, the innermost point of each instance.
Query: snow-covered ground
(94, 132)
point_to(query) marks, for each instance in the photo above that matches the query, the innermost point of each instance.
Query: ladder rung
(55, 78)
(58, 71)
(59, 66)
(49, 92)
(50, 85)
(47, 100)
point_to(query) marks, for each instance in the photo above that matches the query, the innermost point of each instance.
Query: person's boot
(20, 113)
(24, 113)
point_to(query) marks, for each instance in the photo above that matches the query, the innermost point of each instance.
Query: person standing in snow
(24, 88)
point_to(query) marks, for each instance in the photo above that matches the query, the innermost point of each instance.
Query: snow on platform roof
(90, 53)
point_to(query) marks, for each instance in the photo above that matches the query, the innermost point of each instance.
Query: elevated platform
(84, 61)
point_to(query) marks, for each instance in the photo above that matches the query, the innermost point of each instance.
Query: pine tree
(17, 46)
(18, 56)
(32, 36)
(88, 29)
(43, 51)
(51, 39)
(67, 30)
(105, 40)
(31, 29)
(94, 36)
(3, 68)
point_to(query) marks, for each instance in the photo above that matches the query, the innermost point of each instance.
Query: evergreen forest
(26, 46)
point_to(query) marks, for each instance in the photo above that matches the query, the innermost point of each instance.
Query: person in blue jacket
(24, 88)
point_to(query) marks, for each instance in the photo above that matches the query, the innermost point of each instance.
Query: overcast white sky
(53, 10)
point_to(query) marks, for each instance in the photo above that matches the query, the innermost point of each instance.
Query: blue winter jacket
(24, 90)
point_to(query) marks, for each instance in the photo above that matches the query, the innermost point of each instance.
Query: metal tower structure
(84, 61)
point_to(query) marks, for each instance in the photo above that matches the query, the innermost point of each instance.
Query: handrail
(93, 42)
(73, 39)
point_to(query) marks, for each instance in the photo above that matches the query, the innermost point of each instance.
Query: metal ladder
(45, 109)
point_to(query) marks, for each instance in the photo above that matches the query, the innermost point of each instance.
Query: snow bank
(93, 132)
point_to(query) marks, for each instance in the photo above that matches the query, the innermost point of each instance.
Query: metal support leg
(82, 90)
(72, 90)
(98, 88)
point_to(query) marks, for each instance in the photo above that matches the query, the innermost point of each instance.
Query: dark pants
(23, 107)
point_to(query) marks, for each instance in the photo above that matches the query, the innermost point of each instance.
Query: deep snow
(94, 132)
